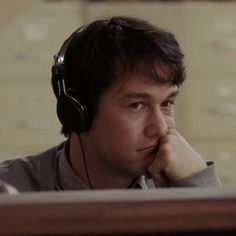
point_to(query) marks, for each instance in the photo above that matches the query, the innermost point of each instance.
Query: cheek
(120, 131)
(124, 131)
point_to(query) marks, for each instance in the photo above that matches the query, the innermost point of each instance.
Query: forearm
(207, 177)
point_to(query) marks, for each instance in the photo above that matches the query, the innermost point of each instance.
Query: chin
(140, 170)
(140, 166)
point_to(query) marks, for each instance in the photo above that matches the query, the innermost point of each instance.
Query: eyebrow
(145, 95)
(174, 94)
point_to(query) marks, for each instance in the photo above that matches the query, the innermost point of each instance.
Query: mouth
(148, 148)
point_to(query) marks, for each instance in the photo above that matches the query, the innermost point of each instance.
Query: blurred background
(32, 31)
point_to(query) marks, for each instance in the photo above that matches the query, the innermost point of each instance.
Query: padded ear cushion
(72, 114)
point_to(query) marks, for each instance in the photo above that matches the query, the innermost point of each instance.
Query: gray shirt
(51, 171)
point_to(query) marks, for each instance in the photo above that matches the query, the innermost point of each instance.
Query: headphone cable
(85, 163)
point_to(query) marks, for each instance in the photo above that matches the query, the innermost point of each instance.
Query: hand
(175, 160)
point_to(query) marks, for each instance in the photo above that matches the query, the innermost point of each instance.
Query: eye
(137, 105)
(167, 104)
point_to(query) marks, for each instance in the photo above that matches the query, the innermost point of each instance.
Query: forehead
(138, 84)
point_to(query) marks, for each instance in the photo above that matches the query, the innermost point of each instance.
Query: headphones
(71, 112)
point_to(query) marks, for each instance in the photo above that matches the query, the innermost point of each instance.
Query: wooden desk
(120, 212)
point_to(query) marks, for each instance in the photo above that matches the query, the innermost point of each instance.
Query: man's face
(131, 118)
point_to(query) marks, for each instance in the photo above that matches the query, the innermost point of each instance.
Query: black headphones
(71, 112)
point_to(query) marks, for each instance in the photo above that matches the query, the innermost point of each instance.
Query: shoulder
(25, 173)
(30, 162)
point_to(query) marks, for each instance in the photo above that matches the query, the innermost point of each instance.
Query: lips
(148, 148)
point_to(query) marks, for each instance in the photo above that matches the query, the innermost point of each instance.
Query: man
(116, 82)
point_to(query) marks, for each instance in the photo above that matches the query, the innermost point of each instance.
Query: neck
(92, 171)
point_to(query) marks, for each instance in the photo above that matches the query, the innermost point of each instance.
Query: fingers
(167, 138)
(160, 180)
(175, 159)
(172, 130)
(156, 171)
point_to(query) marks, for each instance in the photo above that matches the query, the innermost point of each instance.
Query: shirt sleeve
(207, 177)
(7, 188)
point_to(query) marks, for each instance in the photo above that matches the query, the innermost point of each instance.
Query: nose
(156, 125)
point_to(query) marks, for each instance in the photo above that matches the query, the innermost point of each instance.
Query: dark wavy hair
(107, 50)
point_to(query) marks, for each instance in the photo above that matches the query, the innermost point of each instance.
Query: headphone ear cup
(72, 114)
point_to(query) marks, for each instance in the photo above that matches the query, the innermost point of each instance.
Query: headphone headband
(60, 56)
